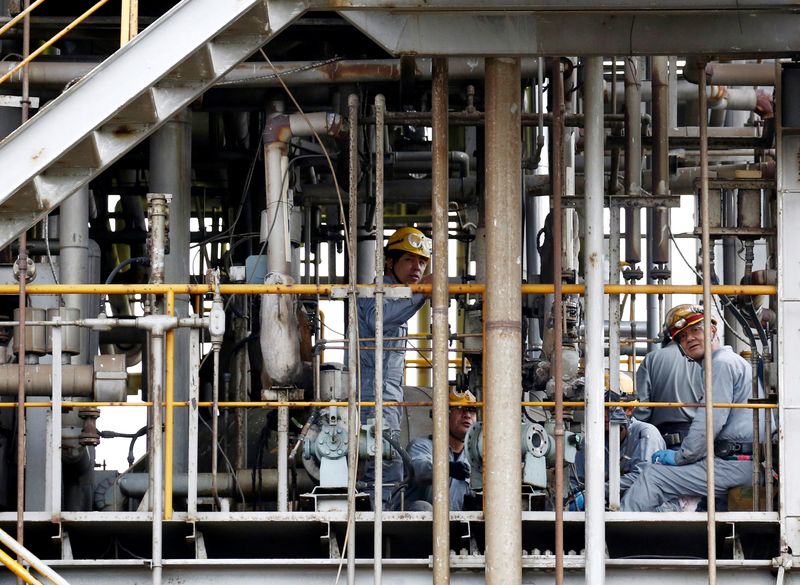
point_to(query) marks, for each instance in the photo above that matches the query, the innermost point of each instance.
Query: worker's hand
(459, 470)
(665, 457)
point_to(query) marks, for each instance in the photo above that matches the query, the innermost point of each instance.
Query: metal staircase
(125, 99)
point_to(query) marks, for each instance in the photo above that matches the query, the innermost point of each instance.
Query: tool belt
(674, 439)
(730, 448)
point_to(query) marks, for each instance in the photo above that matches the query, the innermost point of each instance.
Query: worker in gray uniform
(419, 496)
(407, 254)
(682, 473)
(665, 375)
(637, 441)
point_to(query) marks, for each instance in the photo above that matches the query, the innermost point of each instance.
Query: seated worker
(682, 473)
(419, 495)
(665, 375)
(637, 442)
(407, 254)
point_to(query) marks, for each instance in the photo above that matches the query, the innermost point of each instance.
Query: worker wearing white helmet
(407, 254)
(682, 473)
(419, 496)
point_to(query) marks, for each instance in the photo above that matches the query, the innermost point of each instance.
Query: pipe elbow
(278, 129)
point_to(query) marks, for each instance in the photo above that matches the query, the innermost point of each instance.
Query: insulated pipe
(440, 301)
(593, 305)
(707, 335)
(171, 172)
(732, 73)
(556, 174)
(353, 393)
(279, 254)
(633, 159)
(503, 308)
(73, 267)
(720, 97)
(380, 108)
(77, 380)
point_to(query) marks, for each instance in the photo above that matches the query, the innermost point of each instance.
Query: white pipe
(73, 239)
(283, 457)
(156, 451)
(8, 541)
(278, 243)
(593, 256)
(380, 108)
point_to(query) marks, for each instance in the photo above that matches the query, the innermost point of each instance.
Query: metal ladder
(125, 99)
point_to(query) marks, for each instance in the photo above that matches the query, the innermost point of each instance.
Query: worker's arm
(395, 313)
(693, 447)
(648, 443)
(421, 452)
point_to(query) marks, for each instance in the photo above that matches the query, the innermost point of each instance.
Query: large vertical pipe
(73, 239)
(156, 466)
(171, 172)
(503, 310)
(707, 367)
(352, 342)
(366, 247)
(439, 304)
(557, 179)
(633, 158)
(380, 110)
(593, 266)
(658, 231)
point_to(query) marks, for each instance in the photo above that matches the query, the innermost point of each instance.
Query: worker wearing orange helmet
(682, 473)
(407, 254)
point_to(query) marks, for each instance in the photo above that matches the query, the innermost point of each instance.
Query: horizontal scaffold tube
(326, 289)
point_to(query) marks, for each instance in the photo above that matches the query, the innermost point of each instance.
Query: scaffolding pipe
(380, 108)
(440, 302)
(169, 406)
(707, 334)
(503, 307)
(593, 307)
(352, 333)
(556, 173)
(156, 460)
(34, 561)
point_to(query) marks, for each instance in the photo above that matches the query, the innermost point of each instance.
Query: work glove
(459, 470)
(576, 503)
(664, 457)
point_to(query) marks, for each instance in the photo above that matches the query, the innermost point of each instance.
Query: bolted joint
(89, 436)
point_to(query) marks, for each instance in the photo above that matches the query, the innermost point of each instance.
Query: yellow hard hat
(625, 383)
(682, 317)
(410, 239)
(461, 398)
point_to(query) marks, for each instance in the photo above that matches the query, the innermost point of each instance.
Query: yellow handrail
(17, 569)
(19, 17)
(325, 289)
(47, 44)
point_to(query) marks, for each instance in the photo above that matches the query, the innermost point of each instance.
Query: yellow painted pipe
(325, 289)
(18, 569)
(19, 17)
(307, 403)
(169, 420)
(47, 44)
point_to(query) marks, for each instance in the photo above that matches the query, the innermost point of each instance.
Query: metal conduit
(707, 366)
(557, 108)
(352, 334)
(380, 108)
(502, 310)
(440, 301)
(593, 266)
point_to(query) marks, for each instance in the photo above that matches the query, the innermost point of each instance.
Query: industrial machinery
(193, 200)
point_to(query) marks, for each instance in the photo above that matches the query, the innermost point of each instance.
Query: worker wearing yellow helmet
(407, 254)
(419, 496)
(681, 474)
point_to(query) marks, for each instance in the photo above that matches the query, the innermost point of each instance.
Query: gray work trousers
(658, 484)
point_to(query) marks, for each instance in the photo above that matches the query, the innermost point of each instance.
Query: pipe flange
(535, 440)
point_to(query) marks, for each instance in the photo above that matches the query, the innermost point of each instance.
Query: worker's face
(409, 268)
(691, 340)
(461, 419)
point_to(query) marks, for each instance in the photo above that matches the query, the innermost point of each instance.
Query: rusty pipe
(503, 310)
(440, 302)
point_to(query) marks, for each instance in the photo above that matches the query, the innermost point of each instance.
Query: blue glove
(664, 457)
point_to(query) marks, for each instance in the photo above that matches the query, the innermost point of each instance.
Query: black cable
(131, 436)
(143, 260)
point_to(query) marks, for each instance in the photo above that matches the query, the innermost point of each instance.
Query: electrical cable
(45, 223)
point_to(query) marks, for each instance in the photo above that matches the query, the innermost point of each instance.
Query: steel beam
(580, 33)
